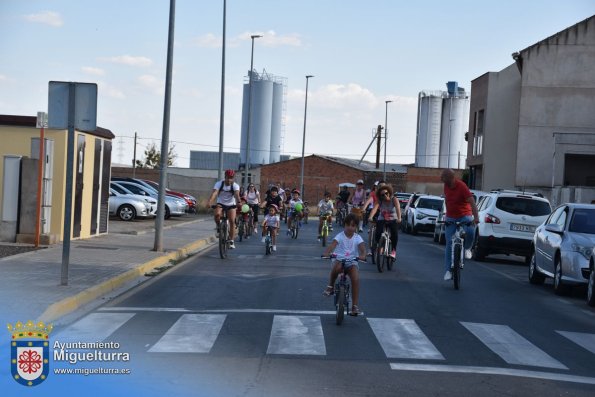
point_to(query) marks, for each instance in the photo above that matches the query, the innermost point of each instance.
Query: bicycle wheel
(267, 249)
(223, 236)
(389, 259)
(380, 255)
(456, 265)
(324, 234)
(340, 305)
(241, 228)
(371, 238)
(296, 230)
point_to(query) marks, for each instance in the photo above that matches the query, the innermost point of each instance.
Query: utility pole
(378, 145)
(134, 157)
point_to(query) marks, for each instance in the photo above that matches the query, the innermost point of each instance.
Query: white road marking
(584, 340)
(183, 310)
(297, 335)
(95, 327)
(512, 347)
(402, 338)
(493, 371)
(192, 333)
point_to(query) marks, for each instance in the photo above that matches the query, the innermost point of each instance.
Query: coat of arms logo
(29, 351)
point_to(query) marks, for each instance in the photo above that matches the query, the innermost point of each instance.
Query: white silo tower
(265, 121)
(455, 117)
(429, 118)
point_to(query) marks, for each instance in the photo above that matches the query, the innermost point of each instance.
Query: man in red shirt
(460, 207)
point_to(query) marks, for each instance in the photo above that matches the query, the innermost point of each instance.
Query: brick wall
(426, 180)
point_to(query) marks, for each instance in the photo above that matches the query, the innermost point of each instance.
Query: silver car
(127, 208)
(173, 205)
(562, 247)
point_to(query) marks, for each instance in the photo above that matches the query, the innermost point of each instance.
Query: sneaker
(447, 275)
(288, 233)
(468, 254)
(263, 240)
(232, 245)
(360, 230)
(393, 254)
(274, 248)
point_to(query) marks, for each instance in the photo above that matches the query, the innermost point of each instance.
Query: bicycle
(268, 242)
(372, 240)
(223, 232)
(295, 226)
(458, 250)
(341, 214)
(342, 291)
(383, 251)
(325, 230)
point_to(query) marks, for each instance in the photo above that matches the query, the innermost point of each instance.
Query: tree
(153, 157)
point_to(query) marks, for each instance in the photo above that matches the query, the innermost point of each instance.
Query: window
(478, 133)
(583, 221)
(523, 206)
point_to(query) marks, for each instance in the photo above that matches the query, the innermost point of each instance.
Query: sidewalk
(100, 268)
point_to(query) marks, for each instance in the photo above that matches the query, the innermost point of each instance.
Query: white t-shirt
(326, 207)
(293, 202)
(347, 248)
(272, 220)
(226, 195)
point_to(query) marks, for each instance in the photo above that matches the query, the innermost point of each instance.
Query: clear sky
(361, 53)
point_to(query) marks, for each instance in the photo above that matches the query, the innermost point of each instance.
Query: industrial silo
(276, 122)
(455, 117)
(428, 129)
(265, 121)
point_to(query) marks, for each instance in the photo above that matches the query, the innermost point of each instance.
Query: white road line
(192, 333)
(183, 310)
(402, 338)
(95, 327)
(296, 335)
(584, 340)
(512, 347)
(493, 371)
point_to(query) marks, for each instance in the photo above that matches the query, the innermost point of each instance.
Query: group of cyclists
(378, 205)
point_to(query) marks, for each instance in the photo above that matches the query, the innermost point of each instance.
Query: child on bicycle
(347, 244)
(389, 213)
(294, 211)
(271, 223)
(325, 210)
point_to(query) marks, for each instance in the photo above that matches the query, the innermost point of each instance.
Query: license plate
(522, 228)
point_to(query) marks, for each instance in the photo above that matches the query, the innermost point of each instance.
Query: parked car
(173, 206)
(563, 246)
(507, 222)
(591, 284)
(190, 200)
(422, 217)
(403, 199)
(477, 195)
(405, 226)
(128, 208)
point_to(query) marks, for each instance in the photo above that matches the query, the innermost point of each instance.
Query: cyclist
(357, 201)
(272, 198)
(253, 199)
(292, 211)
(343, 195)
(227, 194)
(243, 212)
(272, 223)
(347, 244)
(460, 207)
(371, 201)
(325, 210)
(389, 214)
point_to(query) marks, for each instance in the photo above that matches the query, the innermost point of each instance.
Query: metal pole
(68, 192)
(165, 134)
(254, 36)
(304, 137)
(385, 136)
(222, 111)
(39, 191)
(134, 157)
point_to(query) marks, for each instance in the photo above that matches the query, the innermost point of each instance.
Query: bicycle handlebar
(346, 260)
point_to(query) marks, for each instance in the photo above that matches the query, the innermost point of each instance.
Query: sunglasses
(386, 194)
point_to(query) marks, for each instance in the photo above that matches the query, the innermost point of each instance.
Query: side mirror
(554, 228)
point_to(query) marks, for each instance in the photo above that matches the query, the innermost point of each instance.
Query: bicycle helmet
(230, 173)
(296, 191)
(274, 206)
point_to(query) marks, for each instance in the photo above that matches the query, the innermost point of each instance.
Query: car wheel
(559, 287)
(413, 229)
(535, 277)
(436, 236)
(591, 288)
(479, 254)
(167, 213)
(126, 212)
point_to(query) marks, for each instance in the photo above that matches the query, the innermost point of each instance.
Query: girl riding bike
(389, 214)
(325, 209)
(347, 244)
(271, 223)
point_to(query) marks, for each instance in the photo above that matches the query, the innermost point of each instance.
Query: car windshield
(583, 221)
(433, 204)
(523, 206)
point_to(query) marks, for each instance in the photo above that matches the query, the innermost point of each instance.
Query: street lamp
(254, 36)
(385, 136)
(304, 136)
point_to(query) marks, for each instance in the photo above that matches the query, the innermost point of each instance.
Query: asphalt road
(256, 325)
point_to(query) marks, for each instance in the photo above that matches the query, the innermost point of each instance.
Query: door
(96, 174)
(78, 192)
(105, 178)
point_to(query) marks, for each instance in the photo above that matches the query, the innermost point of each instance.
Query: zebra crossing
(302, 334)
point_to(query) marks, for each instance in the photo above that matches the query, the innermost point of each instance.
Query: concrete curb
(70, 304)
